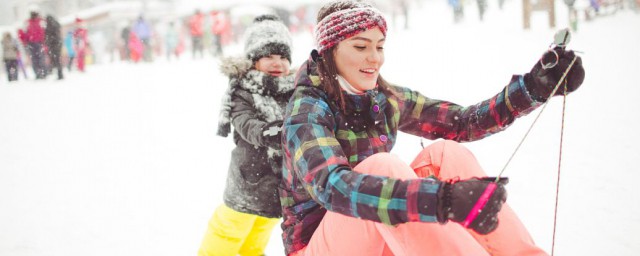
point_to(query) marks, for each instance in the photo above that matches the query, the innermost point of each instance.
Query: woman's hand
(540, 82)
(458, 200)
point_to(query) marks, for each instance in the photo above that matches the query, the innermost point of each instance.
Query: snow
(123, 160)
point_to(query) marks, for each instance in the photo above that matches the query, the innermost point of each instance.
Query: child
(10, 56)
(80, 35)
(260, 85)
(69, 46)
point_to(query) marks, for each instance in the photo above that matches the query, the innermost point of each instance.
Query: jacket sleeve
(434, 119)
(244, 118)
(313, 153)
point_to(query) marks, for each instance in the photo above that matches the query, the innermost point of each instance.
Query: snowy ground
(123, 160)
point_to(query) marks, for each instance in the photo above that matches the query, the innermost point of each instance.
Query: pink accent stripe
(494, 112)
(482, 201)
(412, 200)
(442, 111)
(311, 174)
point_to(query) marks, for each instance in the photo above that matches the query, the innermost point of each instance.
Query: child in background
(260, 85)
(135, 47)
(10, 56)
(69, 46)
(80, 36)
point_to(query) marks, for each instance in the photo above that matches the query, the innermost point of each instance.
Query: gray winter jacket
(252, 101)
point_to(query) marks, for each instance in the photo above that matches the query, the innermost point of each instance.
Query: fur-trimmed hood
(266, 91)
(234, 67)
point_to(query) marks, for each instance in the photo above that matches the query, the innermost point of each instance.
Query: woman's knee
(448, 146)
(458, 161)
(447, 159)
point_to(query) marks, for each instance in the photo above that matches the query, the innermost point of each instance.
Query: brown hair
(327, 69)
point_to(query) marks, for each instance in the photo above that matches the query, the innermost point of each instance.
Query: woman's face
(360, 57)
(275, 65)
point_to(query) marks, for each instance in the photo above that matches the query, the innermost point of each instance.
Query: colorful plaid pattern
(321, 145)
(346, 23)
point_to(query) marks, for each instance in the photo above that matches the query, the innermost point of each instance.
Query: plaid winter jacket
(322, 144)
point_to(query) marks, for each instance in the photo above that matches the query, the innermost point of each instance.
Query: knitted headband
(346, 23)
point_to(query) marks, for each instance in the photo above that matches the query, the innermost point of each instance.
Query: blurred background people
(81, 43)
(34, 39)
(143, 31)
(172, 41)
(135, 46)
(458, 9)
(53, 41)
(195, 28)
(217, 29)
(10, 53)
(124, 36)
(69, 45)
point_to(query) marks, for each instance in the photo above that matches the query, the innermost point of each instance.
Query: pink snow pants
(342, 235)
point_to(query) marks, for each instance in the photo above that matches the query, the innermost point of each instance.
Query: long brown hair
(327, 69)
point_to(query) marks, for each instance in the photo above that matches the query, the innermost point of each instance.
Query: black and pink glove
(540, 82)
(473, 203)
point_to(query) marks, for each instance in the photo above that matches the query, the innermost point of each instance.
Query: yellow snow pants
(232, 233)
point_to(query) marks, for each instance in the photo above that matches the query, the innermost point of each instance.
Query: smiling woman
(342, 193)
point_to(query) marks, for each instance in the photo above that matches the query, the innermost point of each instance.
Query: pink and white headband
(346, 23)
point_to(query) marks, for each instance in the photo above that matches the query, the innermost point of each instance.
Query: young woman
(260, 85)
(342, 193)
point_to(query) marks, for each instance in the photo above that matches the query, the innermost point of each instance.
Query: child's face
(275, 65)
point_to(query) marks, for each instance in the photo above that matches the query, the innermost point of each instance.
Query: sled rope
(564, 101)
(555, 210)
(544, 106)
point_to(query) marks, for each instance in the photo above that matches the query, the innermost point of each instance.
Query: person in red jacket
(221, 30)
(135, 47)
(195, 28)
(34, 41)
(81, 43)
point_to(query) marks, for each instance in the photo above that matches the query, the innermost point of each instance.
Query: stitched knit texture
(344, 24)
(267, 35)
